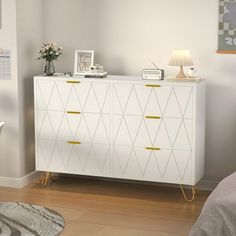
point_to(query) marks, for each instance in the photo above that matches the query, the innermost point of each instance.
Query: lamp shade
(180, 57)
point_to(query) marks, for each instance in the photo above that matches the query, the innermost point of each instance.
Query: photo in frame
(227, 27)
(84, 59)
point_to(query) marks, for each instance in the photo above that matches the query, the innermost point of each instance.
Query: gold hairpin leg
(53, 177)
(45, 178)
(48, 176)
(194, 191)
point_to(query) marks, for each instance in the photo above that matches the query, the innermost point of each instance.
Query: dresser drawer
(59, 125)
(170, 166)
(152, 100)
(171, 133)
(89, 97)
(73, 157)
(132, 99)
(73, 95)
(148, 164)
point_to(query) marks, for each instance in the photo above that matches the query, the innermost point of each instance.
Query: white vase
(192, 73)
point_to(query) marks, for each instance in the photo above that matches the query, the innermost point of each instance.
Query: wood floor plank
(118, 231)
(135, 222)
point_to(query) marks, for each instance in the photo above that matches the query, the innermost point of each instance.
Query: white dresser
(121, 127)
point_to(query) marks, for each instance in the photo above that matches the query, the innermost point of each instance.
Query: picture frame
(84, 59)
(227, 27)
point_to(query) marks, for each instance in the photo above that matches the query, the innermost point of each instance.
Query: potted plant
(49, 52)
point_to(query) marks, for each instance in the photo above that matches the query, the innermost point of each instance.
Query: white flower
(50, 50)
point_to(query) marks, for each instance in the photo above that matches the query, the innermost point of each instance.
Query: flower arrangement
(50, 51)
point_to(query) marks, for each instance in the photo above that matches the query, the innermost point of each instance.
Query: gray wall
(9, 109)
(126, 33)
(22, 34)
(29, 39)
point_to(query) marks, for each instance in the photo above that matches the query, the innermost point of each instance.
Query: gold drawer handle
(153, 148)
(153, 117)
(153, 85)
(73, 112)
(72, 82)
(73, 142)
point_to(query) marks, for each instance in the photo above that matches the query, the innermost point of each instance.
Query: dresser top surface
(123, 78)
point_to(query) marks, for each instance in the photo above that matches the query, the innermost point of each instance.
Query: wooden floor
(99, 208)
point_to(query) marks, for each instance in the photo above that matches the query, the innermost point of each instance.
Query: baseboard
(208, 185)
(19, 182)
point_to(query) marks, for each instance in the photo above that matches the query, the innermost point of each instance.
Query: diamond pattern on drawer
(183, 140)
(48, 124)
(138, 163)
(156, 165)
(138, 131)
(173, 137)
(69, 127)
(183, 97)
(97, 99)
(172, 128)
(46, 150)
(85, 157)
(101, 154)
(143, 158)
(122, 157)
(182, 159)
(101, 133)
(173, 174)
(162, 138)
(81, 127)
(166, 101)
(125, 100)
(85, 96)
(162, 159)
(164, 133)
(43, 94)
(79, 157)
(180, 101)
(157, 161)
(73, 102)
(172, 107)
(91, 158)
(153, 106)
(125, 129)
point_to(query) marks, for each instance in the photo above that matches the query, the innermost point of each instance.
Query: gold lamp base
(181, 74)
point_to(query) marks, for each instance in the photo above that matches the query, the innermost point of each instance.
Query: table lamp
(181, 58)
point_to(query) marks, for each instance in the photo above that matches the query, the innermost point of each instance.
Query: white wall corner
(19, 182)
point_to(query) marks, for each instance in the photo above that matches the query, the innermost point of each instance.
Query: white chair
(1, 126)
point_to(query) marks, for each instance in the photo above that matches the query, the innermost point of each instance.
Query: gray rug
(19, 219)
